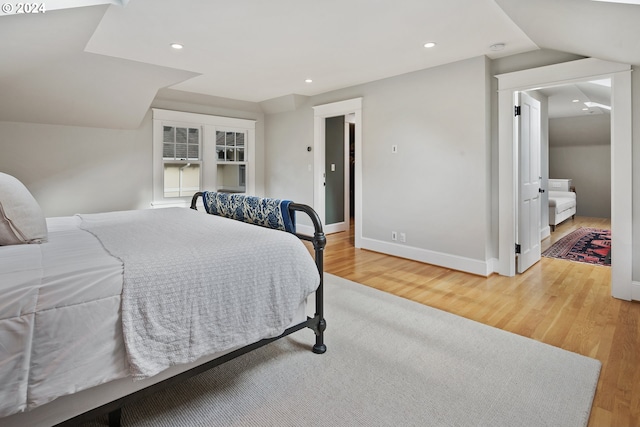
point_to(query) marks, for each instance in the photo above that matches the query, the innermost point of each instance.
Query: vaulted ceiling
(103, 65)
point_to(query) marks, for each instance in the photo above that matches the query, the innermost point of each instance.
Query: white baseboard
(635, 291)
(335, 228)
(454, 262)
(545, 232)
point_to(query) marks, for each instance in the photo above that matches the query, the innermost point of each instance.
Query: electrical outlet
(394, 235)
(403, 237)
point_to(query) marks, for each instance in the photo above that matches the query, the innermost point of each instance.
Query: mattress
(59, 305)
(61, 327)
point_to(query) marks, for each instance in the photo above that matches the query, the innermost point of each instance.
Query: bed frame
(316, 323)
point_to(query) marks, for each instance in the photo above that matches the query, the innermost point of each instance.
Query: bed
(90, 322)
(562, 201)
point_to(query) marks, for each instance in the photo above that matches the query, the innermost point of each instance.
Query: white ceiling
(102, 65)
(256, 50)
(572, 100)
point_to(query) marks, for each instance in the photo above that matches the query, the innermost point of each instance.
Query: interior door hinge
(517, 248)
(517, 110)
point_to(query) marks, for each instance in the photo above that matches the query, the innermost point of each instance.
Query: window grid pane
(168, 151)
(181, 143)
(193, 152)
(181, 135)
(230, 146)
(168, 134)
(181, 151)
(194, 137)
(231, 140)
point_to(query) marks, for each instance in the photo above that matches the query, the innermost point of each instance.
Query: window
(197, 152)
(231, 152)
(230, 146)
(181, 148)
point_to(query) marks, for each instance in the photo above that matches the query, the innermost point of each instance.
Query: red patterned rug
(590, 245)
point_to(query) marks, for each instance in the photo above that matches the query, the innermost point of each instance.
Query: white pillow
(21, 218)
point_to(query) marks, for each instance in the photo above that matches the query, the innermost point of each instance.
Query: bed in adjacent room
(96, 307)
(562, 201)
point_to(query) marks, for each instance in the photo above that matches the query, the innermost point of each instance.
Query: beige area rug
(390, 362)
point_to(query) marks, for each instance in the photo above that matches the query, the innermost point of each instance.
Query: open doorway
(580, 70)
(576, 169)
(339, 173)
(351, 113)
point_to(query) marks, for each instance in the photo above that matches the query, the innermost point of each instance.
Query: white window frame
(208, 125)
(186, 161)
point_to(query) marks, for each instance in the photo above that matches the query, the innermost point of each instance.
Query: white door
(528, 230)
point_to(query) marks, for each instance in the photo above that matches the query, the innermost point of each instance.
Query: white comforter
(195, 284)
(60, 314)
(59, 317)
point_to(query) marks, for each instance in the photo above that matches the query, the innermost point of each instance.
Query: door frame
(621, 158)
(321, 112)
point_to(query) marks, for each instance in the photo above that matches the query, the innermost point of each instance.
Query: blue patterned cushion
(271, 213)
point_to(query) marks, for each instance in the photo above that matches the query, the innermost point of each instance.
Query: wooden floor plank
(562, 303)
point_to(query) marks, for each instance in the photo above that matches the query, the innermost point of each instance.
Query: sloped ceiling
(608, 31)
(572, 100)
(47, 77)
(103, 65)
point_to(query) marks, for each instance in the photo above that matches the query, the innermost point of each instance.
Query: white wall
(79, 170)
(437, 188)
(72, 169)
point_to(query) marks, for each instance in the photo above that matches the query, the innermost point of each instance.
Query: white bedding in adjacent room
(60, 317)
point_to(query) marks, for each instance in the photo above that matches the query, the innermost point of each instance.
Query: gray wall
(437, 188)
(580, 149)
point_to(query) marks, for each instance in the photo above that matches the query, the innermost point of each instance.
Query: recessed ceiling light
(429, 44)
(576, 100)
(496, 47)
(177, 46)
(585, 109)
(308, 81)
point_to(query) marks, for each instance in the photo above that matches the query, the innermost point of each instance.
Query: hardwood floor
(562, 303)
